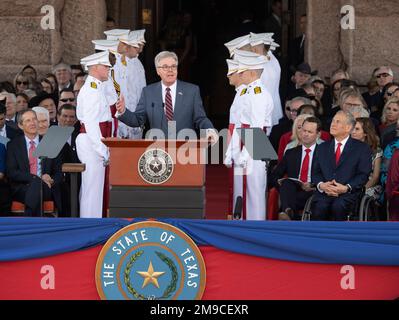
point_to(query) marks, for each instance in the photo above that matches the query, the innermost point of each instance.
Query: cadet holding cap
(95, 116)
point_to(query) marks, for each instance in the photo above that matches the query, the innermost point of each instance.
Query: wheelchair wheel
(369, 210)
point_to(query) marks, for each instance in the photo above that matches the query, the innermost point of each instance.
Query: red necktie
(338, 153)
(168, 105)
(305, 167)
(32, 159)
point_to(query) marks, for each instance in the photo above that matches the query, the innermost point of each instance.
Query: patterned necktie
(168, 105)
(338, 153)
(305, 167)
(32, 159)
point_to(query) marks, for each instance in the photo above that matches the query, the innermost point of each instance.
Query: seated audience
(28, 174)
(390, 117)
(340, 172)
(46, 101)
(67, 97)
(6, 131)
(297, 164)
(30, 72)
(21, 83)
(11, 107)
(392, 186)
(63, 73)
(47, 85)
(43, 119)
(22, 102)
(365, 132)
(284, 125)
(5, 202)
(67, 118)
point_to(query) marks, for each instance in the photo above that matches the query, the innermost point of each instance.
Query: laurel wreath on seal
(170, 288)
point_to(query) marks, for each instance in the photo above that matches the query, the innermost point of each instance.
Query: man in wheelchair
(340, 171)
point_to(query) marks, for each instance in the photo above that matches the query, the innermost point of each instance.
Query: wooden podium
(157, 179)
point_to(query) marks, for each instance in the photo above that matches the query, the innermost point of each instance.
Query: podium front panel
(125, 166)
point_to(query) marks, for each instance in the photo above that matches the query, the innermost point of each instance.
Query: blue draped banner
(368, 243)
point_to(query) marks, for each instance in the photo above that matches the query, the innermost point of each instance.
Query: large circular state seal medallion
(155, 166)
(149, 261)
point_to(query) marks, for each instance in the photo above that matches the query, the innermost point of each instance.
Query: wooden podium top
(133, 164)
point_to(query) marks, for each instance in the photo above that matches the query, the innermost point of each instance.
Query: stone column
(82, 21)
(373, 42)
(23, 39)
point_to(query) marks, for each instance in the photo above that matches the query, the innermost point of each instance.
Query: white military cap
(117, 34)
(104, 45)
(265, 38)
(140, 35)
(244, 53)
(237, 43)
(95, 59)
(232, 66)
(250, 62)
(132, 40)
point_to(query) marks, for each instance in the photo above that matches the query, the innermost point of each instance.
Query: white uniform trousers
(91, 191)
(255, 189)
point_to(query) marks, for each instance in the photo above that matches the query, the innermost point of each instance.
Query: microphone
(237, 209)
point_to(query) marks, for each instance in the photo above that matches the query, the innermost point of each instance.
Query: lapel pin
(180, 93)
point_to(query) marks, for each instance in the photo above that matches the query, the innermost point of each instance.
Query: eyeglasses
(383, 75)
(291, 110)
(167, 68)
(22, 82)
(352, 105)
(68, 99)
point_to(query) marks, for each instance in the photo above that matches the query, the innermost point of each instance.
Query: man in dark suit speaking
(168, 100)
(341, 169)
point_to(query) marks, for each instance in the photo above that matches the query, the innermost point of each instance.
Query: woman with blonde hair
(296, 132)
(390, 114)
(21, 82)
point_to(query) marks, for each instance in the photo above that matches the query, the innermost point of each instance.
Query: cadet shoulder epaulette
(93, 85)
(257, 90)
(243, 91)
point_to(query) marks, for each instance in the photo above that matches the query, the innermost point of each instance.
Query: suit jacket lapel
(331, 151)
(298, 159)
(158, 102)
(178, 102)
(24, 156)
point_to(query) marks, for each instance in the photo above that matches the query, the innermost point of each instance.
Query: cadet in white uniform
(134, 79)
(233, 141)
(111, 86)
(256, 111)
(271, 72)
(121, 71)
(95, 116)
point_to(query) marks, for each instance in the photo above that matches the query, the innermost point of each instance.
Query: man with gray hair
(43, 119)
(63, 73)
(340, 171)
(169, 100)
